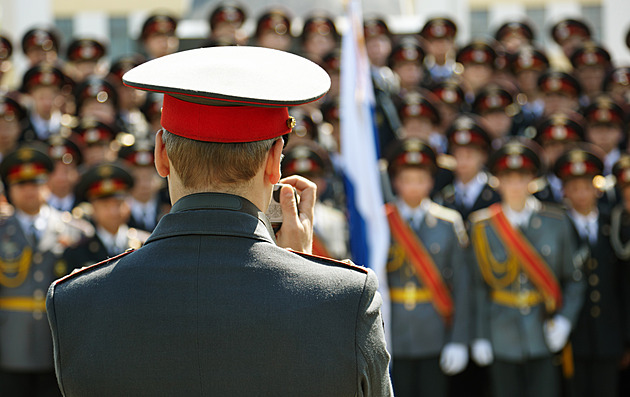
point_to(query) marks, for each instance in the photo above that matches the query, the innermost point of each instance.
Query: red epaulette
(86, 268)
(323, 259)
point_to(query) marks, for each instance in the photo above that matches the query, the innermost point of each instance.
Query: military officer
(34, 237)
(600, 335)
(605, 128)
(439, 35)
(273, 29)
(569, 34)
(560, 92)
(529, 284)
(42, 84)
(591, 62)
(66, 156)
(106, 187)
(406, 60)
(158, 35)
(427, 275)
(40, 45)
(378, 40)
(319, 35)
(225, 21)
(84, 56)
(470, 145)
(214, 256)
(479, 61)
(514, 35)
(527, 64)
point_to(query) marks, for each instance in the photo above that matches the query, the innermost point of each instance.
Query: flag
(369, 230)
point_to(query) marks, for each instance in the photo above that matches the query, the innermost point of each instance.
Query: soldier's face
(470, 160)
(412, 185)
(514, 185)
(606, 136)
(27, 197)
(110, 213)
(581, 194)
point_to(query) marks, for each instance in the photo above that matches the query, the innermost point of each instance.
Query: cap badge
(514, 161)
(578, 168)
(291, 122)
(106, 171)
(559, 132)
(463, 137)
(479, 56)
(413, 158)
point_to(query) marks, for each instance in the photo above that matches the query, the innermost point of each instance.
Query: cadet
(569, 34)
(591, 63)
(527, 64)
(144, 200)
(284, 316)
(427, 275)
(530, 286)
(66, 157)
(439, 35)
(7, 82)
(34, 237)
(560, 92)
(319, 36)
(605, 128)
(406, 60)
(617, 84)
(600, 335)
(95, 138)
(273, 30)
(514, 35)
(479, 61)
(12, 124)
(40, 45)
(130, 100)
(106, 187)
(158, 36)
(43, 84)
(83, 56)
(452, 101)
(378, 41)
(499, 113)
(96, 99)
(421, 119)
(470, 145)
(225, 22)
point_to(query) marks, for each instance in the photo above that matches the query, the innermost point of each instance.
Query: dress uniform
(34, 237)
(605, 126)
(428, 279)
(319, 35)
(439, 34)
(42, 82)
(95, 138)
(130, 101)
(406, 60)
(40, 45)
(378, 40)
(529, 284)
(590, 63)
(13, 121)
(101, 182)
(216, 307)
(600, 335)
(569, 34)
(479, 60)
(67, 158)
(475, 193)
(83, 56)
(526, 65)
(514, 35)
(560, 92)
(499, 112)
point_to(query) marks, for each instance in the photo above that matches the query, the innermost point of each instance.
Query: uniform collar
(521, 218)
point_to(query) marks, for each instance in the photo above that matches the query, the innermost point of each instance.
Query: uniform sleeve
(571, 276)
(52, 321)
(371, 350)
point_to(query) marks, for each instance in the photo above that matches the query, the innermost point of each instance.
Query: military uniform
(31, 248)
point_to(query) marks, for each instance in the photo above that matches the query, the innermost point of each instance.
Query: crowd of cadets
(507, 180)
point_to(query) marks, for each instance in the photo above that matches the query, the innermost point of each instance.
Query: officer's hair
(210, 164)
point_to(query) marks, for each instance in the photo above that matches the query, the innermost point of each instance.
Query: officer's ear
(272, 165)
(162, 164)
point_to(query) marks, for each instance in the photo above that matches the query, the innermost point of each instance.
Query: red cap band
(225, 124)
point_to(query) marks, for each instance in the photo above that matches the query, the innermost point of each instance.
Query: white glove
(454, 358)
(557, 332)
(482, 352)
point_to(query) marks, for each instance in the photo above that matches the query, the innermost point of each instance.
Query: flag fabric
(369, 230)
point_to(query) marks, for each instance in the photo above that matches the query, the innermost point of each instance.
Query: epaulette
(6, 211)
(453, 217)
(480, 215)
(538, 184)
(448, 191)
(447, 162)
(82, 270)
(553, 210)
(328, 261)
(86, 228)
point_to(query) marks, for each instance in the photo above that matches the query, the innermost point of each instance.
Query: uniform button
(525, 310)
(593, 280)
(93, 247)
(577, 275)
(38, 258)
(38, 294)
(595, 296)
(435, 248)
(38, 276)
(595, 311)
(536, 223)
(545, 250)
(431, 221)
(592, 264)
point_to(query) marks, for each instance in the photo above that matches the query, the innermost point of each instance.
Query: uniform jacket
(418, 330)
(26, 272)
(516, 332)
(211, 306)
(486, 198)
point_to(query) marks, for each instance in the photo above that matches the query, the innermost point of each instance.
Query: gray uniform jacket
(515, 328)
(418, 330)
(210, 305)
(26, 272)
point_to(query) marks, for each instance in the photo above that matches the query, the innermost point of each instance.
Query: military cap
(227, 12)
(567, 28)
(276, 20)
(10, 109)
(516, 155)
(439, 28)
(604, 110)
(416, 104)
(319, 23)
(124, 64)
(158, 24)
(520, 28)
(96, 88)
(410, 152)
(45, 38)
(92, 132)
(467, 131)
(230, 94)
(407, 50)
(621, 170)
(559, 82)
(85, 49)
(617, 76)
(28, 163)
(450, 92)
(561, 127)
(306, 159)
(140, 154)
(479, 52)
(332, 61)
(64, 149)
(494, 98)
(6, 48)
(104, 180)
(375, 26)
(590, 54)
(42, 75)
(528, 58)
(330, 109)
(579, 161)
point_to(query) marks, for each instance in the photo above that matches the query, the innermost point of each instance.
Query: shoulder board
(82, 270)
(480, 215)
(446, 161)
(6, 211)
(538, 184)
(453, 217)
(448, 191)
(553, 210)
(84, 226)
(327, 261)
